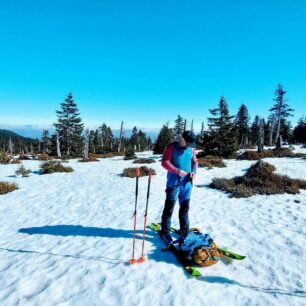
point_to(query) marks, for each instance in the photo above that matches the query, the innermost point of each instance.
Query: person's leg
(185, 193)
(171, 197)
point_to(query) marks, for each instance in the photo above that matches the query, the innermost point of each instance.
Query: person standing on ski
(179, 159)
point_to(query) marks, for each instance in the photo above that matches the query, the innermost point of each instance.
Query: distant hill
(18, 141)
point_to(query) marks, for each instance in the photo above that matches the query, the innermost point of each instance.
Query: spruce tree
(69, 128)
(164, 137)
(179, 127)
(134, 140)
(242, 125)
(142, 141)
(222, 135)
(96, 142)
(299, 132)
(109, 139)
(46, 141)
(281, 110)
(92, 148)
(254, 130)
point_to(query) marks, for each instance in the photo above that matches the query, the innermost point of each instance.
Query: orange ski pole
(142, 259)
(133, 260)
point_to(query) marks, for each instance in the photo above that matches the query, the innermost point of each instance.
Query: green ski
(183, 261)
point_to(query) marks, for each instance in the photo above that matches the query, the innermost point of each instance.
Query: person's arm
(194, 162)
(166, 159)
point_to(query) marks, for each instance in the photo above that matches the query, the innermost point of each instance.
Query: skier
(179, 159)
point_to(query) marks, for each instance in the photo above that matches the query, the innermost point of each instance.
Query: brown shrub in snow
(210, 161)
(259, 179)
(91, 158)
(282, 152)
(6, 187)
(144, 171)
(144, 161)
(44, 157)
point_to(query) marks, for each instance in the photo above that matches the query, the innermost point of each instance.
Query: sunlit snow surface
(65, 239)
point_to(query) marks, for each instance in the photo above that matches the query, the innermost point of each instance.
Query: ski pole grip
(137, 172)
(150, 175)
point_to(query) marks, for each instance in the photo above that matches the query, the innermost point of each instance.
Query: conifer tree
(69, 127)
(178, 127)
(134, 140)
(254, 130)
(281, 110)
(96, 142)
(164, 137)
(142, 141)
(242, 125)
(46, 141)
(299, 132)
(92, 148)
(222, 135)
(109, 139)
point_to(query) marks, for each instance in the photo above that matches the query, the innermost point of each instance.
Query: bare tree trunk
(261, 136)
(279, 142)
(271, 129)
(86, 145)
(120, 137)
(10, 146)
(58, 149)
(277, 136)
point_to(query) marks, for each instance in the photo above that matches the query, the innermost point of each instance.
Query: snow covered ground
(65, 239)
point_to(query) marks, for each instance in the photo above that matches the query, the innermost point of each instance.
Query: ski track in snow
(65, 239)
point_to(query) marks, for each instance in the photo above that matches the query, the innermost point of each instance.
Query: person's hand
(193, 175)
(182, 173)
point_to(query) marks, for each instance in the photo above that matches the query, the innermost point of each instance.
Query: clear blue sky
(145, 62)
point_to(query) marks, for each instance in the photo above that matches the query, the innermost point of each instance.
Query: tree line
(227, 133)
(72, 140)
(224, 134)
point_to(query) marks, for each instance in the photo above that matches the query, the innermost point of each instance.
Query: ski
(223, 251)
(183, 261)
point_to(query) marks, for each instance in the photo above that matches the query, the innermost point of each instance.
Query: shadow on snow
(156, 254)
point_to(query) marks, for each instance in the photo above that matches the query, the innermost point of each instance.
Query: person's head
(187, 139)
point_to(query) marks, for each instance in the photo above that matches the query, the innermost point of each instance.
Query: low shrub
(6, 187)
(210, 161)
(23, 171)
(53, 166)
(130, 157)
(254, 155)
(15, 161)
(282, 152)
(144, 161)
(44, 157)
(4, 159)
(91, 158)
(144, 171)
(259, 179)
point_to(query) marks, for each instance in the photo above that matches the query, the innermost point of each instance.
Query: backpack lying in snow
(199, 248)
